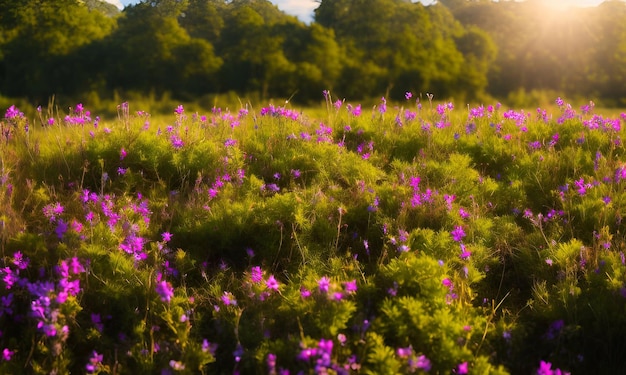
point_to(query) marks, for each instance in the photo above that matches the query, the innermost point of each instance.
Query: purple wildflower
(20, 261)
(228, 299)
(256, 274)
(464, 252)
(420, 363)
(545, 368)
(271, 363)
(167, 236)
(164, 289)
(176, 142)
(383, 105)
(271, 283)
(324, 284)
(304, 292)
(462, 368)
(350, 286)
(458, 233)
(209, 347)
(61, 229)
(94, 362)
(7, 354)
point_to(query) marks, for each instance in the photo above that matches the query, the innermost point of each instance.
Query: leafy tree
(609, 60)
(317, 57)
(394, 45)
(252, 49)
(203, 19)
(573, 51)
(38, 38)
(150, 50)
(102, 6)
(479, 52)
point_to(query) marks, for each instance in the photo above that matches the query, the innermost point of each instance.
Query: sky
(303, 9)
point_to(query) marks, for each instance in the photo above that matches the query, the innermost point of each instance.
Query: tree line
(356, 48)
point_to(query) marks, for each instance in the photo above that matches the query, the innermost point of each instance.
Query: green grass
(424, 237)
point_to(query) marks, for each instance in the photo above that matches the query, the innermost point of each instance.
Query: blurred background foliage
(520, 52)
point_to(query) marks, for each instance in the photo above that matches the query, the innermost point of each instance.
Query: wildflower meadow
(407, 237)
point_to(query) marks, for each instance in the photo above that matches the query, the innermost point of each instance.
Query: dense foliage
(414, 238)
(359, 48)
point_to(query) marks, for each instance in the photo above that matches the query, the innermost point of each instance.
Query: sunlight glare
(561, 5)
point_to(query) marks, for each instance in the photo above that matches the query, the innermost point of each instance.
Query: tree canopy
(357, 48)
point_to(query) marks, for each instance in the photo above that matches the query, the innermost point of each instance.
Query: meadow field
(409, 237)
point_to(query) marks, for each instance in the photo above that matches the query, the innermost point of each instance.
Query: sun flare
(561, 5)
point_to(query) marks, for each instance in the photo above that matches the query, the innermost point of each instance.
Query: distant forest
(358, 49)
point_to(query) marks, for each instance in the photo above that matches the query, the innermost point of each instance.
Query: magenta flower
(167, 236)
(51, 211)
(256, 274)
(7, 354)
(179, 110)
(307, 353)
(462, 368)
(94, 362)
(77, 226)
(383, 105)
(305, 293)
(164, 290)
(75, 267)
(350, 286)
(123, 153)
(271, 283)
(421, 363)
(271, 363)
(323, 284)
(209, 347)
(228, 299)
(9, 277)
(464, 252)
(559, 102)
(337, 296)
(414, 182)
(545, 368)
(12, 112)
(176, 142)
(20, 261)
(458, 233)
(404, 352)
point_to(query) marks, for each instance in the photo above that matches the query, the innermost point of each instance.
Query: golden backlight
(565, 4)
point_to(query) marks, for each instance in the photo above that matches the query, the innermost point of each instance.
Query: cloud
(303, 9)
